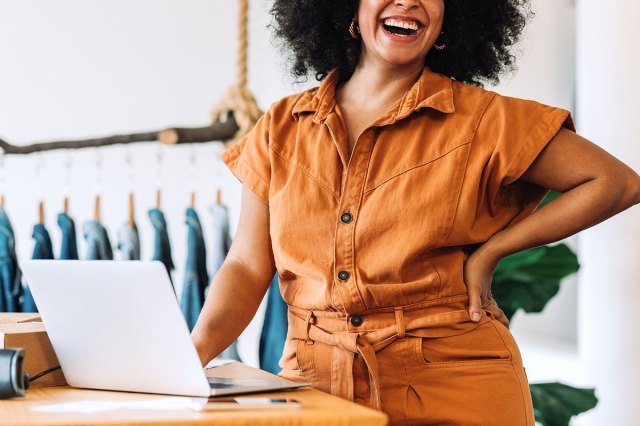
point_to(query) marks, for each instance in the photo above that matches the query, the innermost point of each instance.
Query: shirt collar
(431, 90)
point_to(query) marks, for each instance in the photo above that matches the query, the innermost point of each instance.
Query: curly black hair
(479, 34)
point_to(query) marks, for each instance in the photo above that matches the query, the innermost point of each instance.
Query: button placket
(356, 173)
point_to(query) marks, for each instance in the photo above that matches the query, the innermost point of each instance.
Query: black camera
(13, 380)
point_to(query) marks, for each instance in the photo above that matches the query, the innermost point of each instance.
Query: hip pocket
(481, 346)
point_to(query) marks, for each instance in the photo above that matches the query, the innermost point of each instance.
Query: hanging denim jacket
(274, 329)
(195, 276)
(69, 245)
(129, 242)
(219, 248)
(161, 246)
(98, 244)
(41, 250)
(10, 274)
(221, 240)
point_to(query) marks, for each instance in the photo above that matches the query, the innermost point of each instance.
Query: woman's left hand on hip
(478, 277)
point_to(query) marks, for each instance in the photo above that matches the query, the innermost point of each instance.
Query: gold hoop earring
(442, 46)
(353, 29)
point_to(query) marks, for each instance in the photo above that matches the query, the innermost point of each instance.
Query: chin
(400, 60)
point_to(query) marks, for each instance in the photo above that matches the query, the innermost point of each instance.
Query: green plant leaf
(529, 279)
(555, 403)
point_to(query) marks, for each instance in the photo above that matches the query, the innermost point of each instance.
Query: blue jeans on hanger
(41, 250)
(274, 329)
(69, 244)
(195, 275)
(161, 245)
(10, 274)
(129, 242)
(98, 244)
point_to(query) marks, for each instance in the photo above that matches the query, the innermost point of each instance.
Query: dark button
(346, 218)
(343, 275)
(356, 320)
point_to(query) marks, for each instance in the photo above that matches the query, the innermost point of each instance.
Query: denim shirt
(129, 242)
(221, 240)
(10, 274)
(41, 250)
(219, 248)
(274, 329)
(98, 244)
(161, 246)
(69, 245)
(195, 277)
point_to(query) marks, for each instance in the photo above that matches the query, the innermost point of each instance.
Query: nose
(407, 4)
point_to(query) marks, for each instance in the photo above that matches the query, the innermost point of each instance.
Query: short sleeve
(515, 131)
(249, 158)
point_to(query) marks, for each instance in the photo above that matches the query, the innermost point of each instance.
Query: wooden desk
(319, 408)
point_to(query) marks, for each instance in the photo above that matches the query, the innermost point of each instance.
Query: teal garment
(220, 236)
(161, 245)
(129, 242)
(195, 274)
(98, 244)
(41, 250)
(219, 248)
(69, 245)
(274, 329)
(10, 275)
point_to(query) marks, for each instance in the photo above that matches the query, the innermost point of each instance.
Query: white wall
(608, 89)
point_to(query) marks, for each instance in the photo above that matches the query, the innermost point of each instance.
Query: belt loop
(307, 323)
(400, 323)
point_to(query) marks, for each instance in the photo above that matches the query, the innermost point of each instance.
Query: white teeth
(410, 25)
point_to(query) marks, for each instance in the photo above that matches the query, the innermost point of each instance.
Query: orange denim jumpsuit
(370, 249)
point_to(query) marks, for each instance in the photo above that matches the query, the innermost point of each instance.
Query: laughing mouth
(401, 28)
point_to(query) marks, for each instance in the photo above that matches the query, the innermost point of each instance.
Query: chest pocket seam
(411, 168)
(305, 171)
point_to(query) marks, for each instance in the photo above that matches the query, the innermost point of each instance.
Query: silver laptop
(116, 325)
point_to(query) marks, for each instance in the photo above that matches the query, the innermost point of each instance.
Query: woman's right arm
(240, 284)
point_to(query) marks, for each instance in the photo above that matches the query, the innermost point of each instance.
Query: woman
(386, 197)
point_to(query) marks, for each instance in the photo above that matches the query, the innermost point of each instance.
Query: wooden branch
(221, 131)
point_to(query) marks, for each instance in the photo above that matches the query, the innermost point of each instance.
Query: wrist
(201, 348)
(492, 249)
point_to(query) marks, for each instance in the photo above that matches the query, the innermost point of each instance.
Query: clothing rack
(220, 131)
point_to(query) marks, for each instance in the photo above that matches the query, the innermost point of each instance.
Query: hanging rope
(243, 42)
(238, 99)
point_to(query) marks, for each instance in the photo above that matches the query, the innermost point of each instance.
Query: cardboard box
(19, 317)
(26, 331)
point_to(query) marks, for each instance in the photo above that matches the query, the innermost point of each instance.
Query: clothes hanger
(68, 161)
(131, 218)
(39, 166)
(41, 212)
(192, 175)
(218, 178)
(97, 200)
(96, 208)
(128, 158)
(159, 160)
